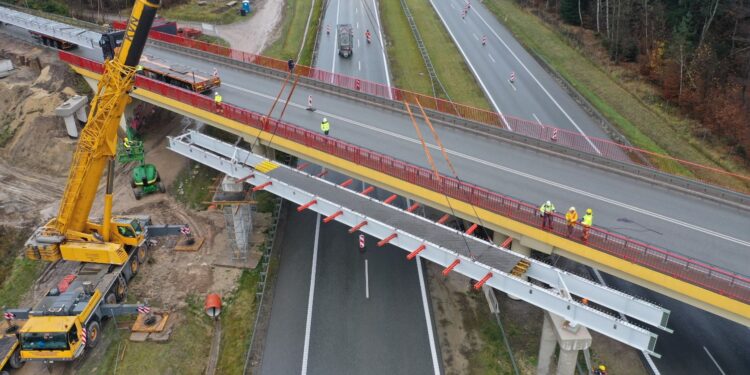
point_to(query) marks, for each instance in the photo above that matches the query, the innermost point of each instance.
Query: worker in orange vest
(572, 218)
(587, 221)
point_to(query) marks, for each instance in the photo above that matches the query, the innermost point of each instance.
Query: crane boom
(95, 151)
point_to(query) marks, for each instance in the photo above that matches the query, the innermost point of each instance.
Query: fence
(690, 270)
(532, 129)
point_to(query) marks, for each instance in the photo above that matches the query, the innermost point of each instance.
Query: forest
(696, 51)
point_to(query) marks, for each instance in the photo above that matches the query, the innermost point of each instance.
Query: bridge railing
(532, 129)
(680, 267)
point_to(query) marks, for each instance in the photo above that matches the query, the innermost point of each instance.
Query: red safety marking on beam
(252, 175)
(444, 219)
(306, 205)
(384, 241)
(357, 227)
(507, 242)
(333, 216)
(322, 173)
(412, 207)
(368, 190)
(347, 182)
(416, 252)
(472, 228)
(390, 199)
(450, 268)
(262, 186)
(481, 282)
(302, 166)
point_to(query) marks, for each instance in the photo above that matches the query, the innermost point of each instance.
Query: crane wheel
(110, 299)
(4, 373)
(141, 254)
(134, 266)
(120, 290)
(162, 189)
(92, 332)
(15, 360)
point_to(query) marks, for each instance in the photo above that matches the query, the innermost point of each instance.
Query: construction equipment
(107, 253)
(346, 40)
(144, 177)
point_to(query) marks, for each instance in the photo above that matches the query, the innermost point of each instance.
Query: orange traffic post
(412, 207)
(416, 252)
(302, 166)
(347, 183)
(262, 186)
(333, 216)
(481, 282)
(472, 228)
(507, 242)
(368, 190)
(444, 219)
(390, 199)
(384, 241)
(358, 226)
(450, 268)
(306, 205)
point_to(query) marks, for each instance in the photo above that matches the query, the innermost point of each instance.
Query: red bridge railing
(680, 267)
(532, 129)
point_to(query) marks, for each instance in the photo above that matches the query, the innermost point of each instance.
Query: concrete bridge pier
(73, 108)
(571, 338)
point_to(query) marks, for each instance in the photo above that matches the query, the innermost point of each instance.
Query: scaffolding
(232, 197)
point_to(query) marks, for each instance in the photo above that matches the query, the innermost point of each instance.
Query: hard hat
(216, 93)
(589, 211)
(548, 203)
(325, 119)
(602, 368)
(572, 209)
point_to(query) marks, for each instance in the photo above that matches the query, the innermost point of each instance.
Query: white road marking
(382, 47)
(475, 36)
(367, 281)
(359, 64)
(533, 77)
(335, 41)
(453, 6)
(714, 361)
(358, 24)
(308, 322)
(356, 10)
(536, 118)
(510, 170)
(357, 43)
(512, 85)
(490, 55)
(427, 318)
(471, 66)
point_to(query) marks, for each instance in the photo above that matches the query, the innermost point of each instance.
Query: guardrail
(597, 146)
(680, 267)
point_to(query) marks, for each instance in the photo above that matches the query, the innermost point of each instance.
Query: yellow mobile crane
(107, 254)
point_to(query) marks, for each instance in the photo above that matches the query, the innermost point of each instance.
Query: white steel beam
(76, 35)
(240, 164)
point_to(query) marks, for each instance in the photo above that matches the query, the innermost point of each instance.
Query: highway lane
(368, 61)
(535, 94)
(680, 222)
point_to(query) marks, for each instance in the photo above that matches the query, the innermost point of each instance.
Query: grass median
(292, 31)
(406, 64)
(628, 103)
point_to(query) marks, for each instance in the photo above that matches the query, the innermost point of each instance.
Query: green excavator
(144, 177)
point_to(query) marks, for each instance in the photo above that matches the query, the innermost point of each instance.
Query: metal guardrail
(683, 268)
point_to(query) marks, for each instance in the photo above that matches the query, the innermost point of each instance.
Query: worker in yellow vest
(325, 126)
(217, 101)
(546, 210)
(572, 218)
(126, 144)
(587, 221)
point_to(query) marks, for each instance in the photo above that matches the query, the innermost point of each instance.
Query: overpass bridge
(367, 128)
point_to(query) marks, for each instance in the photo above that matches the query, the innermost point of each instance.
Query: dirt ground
(260, 30)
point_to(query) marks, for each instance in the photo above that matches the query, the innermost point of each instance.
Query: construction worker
(601, 370)
(217, 101)
(290, 64)
(546, 210)
(325, 126)
(587, 221)
(126, 144)
(138, 68)
(572, 218)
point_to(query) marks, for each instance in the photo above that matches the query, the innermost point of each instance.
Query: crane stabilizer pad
(141, 326)
(185, 245)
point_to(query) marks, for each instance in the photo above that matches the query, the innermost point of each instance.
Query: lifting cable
(434, 167)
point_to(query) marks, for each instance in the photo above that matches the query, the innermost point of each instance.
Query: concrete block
(568, 339)
(70, 106)
(139, 336)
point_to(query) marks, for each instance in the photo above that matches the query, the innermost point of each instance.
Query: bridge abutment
(557, 331)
